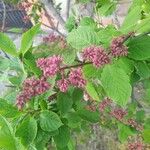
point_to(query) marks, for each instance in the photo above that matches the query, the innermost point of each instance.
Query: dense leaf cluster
(51, 117)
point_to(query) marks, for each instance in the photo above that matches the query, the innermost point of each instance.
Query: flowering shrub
(65, 84)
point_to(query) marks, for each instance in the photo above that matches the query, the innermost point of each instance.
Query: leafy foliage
(116, 84)
(102, 94)
(27, 38)
(49, 121)
(27, 131)
(7, 45)
(82, 37)
(139, 48)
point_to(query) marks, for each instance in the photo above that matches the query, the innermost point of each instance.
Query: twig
(11, 86)
(128, 36)
(68, 8)
(75, 66)
(116, 20)
(49, 7)
(54, 29)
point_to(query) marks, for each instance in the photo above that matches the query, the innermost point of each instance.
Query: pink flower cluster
(105, 103)
(31, 87)
(118, 48)
(137, 145)
(63, 85)
(51, 38)
(91, 108)
(96, 55)
(50, 66)
(76, 78)
(118, 113)
(134, 124)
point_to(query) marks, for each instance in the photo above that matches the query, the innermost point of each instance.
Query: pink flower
(135, 125)
(117, 47)
(63, 85)
(76, 78)
(137, 145)
(50, 66)
(51, 38)
(118, 113)
(31, 87)
(105, 103)
(96, 55)
(89, 53)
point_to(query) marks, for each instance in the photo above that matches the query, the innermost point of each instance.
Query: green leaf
(16, 80)
(82, 37)
(126, 64)
(107, 8)
(62, 139)
(49, 121)
(7, 45)
(140, 115)
(7, 110)
(42, 139)
(10, 96)
(91, 91)
(64, 102)
(124, 132)
(73, 119)
(69, 55)
(77, 95)
(27, 131)
(142, 70)
(30, 63)
(143, 25)
(4, 64)
(90, 116)
(146, 135)
(116, 84)
(87, 21)
(131, 20)
(139, 48)
(70, 23)
(91, 72)
(134, 77)
(107, 34)
(27, 38)
(32, 147)
(147, 123)
(7, 138)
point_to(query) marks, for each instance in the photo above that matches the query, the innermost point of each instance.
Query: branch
(116, 19)
(49, 7)
(75, 66)
(68, 8)
(54, 29)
